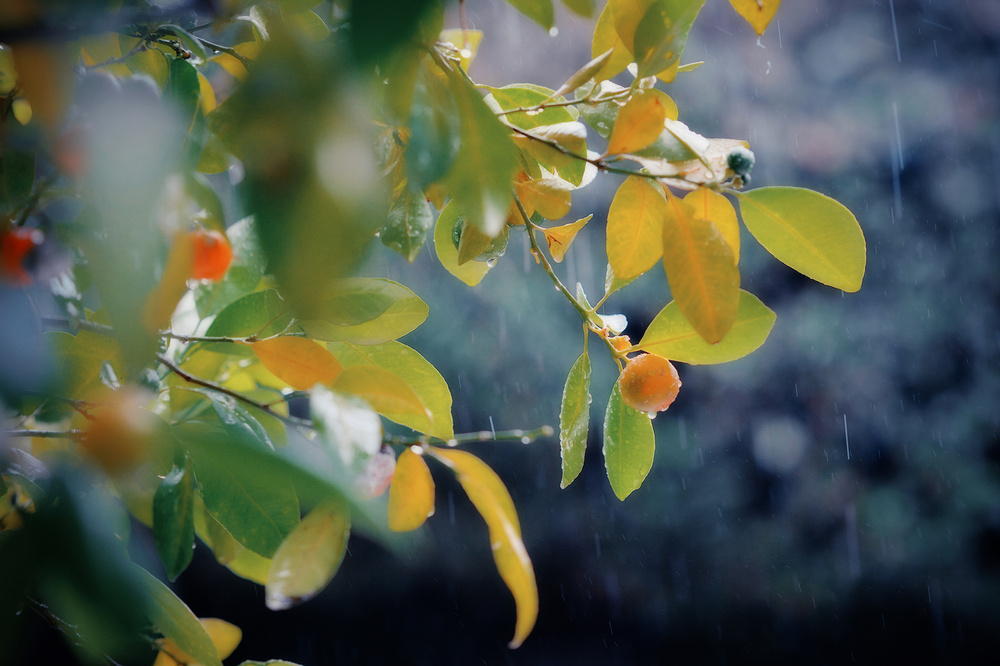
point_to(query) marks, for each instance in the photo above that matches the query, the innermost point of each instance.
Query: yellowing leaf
(635, 227)
(233, 65)
(606, 38)
(309, 556)
(422, 377)
(411, 494)
(381, 389)
(560, 238)
(207, 96)
(300, 362)
(163, 299)
(585, 73)
(466, 41)
(758, 13)
(672, 336)
(639, 123)
(549, 197)
(699, 264)
(710, 205)
(570, 136)
(225, 635)
(491, 499)
(810, 232)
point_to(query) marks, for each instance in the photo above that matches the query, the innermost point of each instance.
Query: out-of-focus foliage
(189, 194)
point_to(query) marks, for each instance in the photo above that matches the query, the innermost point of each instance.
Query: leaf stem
(204, 383)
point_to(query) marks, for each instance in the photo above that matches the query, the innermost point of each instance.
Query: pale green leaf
(411, 493)
(526, 96)
(810, 232)
(574, 419)
(539, 11)
(309, 556)
(262, 313)
(672, 336)
(172, 618)
(422, 377)
(471, 272)
(584, 8)
(490, 497)
(635, 227)
(629, 445)
(703, 276)
(661, 35)
(367, 311)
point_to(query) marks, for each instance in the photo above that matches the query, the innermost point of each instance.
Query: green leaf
(187, 40)
(606, 38)
(309, 557)
(490, 497)
(613, 283)
(183, 90)
(574, 419)
(539, 11)
(629, 445)
(635, 227)
(244, 274)
(471, 272)
(703, 276)
(810, 232)
(173, 520)
(527, 95)
(172, 618)
(238, 420)
(661, 35)
(258, 509)
(583, 8)
(405, 230)
(480, 178)
(79, 359)
(435, 136)
(17, 177)
(672, 336)
(422, 377)
(261, 313)
(368, 311)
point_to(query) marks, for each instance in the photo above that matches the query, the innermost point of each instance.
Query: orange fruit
(15, 247)
(212, 254)
(119, 432)
(649, 383)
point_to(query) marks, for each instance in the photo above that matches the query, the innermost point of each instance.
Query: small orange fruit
(15, 247)
(212, 254)
(649, 383)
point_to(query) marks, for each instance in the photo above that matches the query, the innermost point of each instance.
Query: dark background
(831, 499)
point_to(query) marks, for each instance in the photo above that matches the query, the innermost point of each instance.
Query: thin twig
(523, 436)
(44, 434)
(204, 383)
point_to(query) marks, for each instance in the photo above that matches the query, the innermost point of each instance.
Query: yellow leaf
(466, 41)
(163, 299)
(549, 197)
(490, 497)
(225, 637)
(300, 362)
(758, 13)
(383, 390)
(606, 37)
(309, 556)
(45, 76)
(639, 123)
(233, 65)
(710, 205)
(560, 238)
(411, 494)
(207, 96)
(703, 277)
(635, 227)
(22, 110)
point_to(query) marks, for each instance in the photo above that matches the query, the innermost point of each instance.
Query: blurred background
(832, 498)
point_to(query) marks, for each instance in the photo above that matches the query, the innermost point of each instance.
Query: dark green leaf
(173, 520)
(406, 229)
(574, 419)
(434, 128)
(17, 177)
